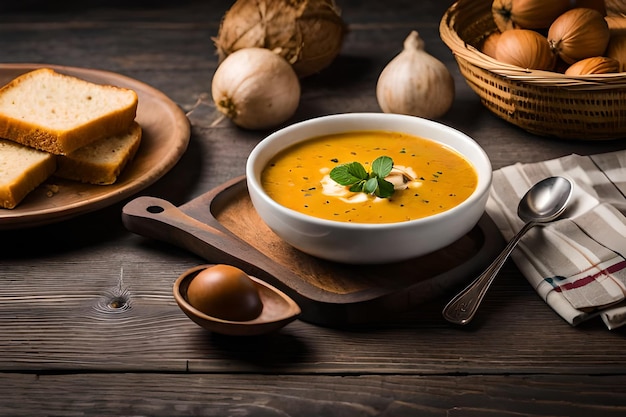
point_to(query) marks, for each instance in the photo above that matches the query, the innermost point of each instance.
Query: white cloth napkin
(576, 264)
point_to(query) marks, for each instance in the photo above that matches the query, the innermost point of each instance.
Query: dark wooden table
(65, 350)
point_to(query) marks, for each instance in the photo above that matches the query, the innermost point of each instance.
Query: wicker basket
(541, 102)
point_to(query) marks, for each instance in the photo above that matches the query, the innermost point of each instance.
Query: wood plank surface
(164, 395)
(88, 324)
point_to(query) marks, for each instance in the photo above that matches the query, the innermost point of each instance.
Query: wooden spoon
(278, 309)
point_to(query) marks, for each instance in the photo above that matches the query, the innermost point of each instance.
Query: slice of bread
(58, 113)
(101, 162)
(22, 169)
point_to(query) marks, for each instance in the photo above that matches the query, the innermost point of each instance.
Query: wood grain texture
(304, 396)
(100, 320)
(88, 324)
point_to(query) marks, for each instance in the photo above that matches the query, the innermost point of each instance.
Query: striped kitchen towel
(577, 264)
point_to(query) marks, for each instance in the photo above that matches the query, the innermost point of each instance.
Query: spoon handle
(462, 308)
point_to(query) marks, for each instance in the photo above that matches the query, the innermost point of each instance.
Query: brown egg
(225, 292)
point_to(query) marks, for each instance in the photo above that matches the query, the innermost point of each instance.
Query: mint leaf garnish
(370, 186)
(385, 188)
(382, 166)
(348, 174)
(353, 174)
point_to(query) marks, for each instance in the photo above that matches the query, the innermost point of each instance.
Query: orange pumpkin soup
(428, 177)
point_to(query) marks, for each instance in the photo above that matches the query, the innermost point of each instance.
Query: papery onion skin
(593, 65)
(578, 34)
(256, 88)
(617, 24)
(617, 50)
(490, 44)
(527, 14)
(525, 48)
(307, 33)
(615, 7)
(599, 5)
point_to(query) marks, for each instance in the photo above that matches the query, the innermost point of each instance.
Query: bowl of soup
(369, 188)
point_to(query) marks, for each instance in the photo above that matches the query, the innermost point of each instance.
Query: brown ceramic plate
(165, 138)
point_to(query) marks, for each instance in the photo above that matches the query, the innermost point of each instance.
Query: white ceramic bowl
(368, 243)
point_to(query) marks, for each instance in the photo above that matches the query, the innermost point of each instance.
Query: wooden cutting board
(222, 226)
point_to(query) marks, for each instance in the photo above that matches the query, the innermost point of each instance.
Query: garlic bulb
(415, 83)
(256, 88)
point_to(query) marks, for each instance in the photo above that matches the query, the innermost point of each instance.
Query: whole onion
(617, 50)
(578, 34)
(525, 48)
(256, 88)
(616, 7)
(527, 14)
(307, 33)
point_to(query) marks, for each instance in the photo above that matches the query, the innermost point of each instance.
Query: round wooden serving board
(165, 138)
(222, 226)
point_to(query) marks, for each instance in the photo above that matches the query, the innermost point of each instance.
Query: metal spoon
(542, 203)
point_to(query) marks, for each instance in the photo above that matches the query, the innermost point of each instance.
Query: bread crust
(101, 162)
(16, 125)
(25, 170)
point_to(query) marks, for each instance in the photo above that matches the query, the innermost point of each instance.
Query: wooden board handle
(159, 219)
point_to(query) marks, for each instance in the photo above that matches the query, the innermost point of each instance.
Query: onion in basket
(525, 48)
(616, 7)
(527, 14)
(617, 50)
(598, 5)
(578, 34)
(490, 44)
(594, 65)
